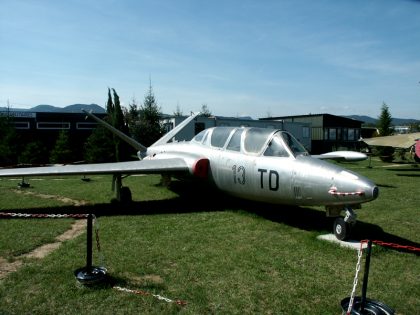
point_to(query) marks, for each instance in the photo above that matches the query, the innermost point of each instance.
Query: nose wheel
(342, 229)
(343, 226)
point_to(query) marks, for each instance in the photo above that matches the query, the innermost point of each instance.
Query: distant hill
(374, 121)
(75, 108)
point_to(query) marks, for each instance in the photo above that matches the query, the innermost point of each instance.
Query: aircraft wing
(404, 141)
(348, 156)
(171, 165)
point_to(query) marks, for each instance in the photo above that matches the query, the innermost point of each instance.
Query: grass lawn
(220, 255)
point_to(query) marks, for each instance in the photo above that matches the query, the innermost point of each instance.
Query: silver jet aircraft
(252, 163)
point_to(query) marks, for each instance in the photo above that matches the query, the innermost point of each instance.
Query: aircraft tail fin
(167, 137)
(137, 145)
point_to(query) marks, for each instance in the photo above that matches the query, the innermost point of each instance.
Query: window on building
(351, 134)
(168, 126)
(332, 134)
(21, 124)
(53, 125)
(86, 125)
(345, 134)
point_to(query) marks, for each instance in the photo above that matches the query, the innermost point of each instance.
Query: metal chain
(356, 277)
(145, 293)
(42, 215)
(98, 245)
(397, 246)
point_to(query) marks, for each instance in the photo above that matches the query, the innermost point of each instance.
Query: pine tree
(385, 121)
(102, 145)
(178, 111)
(148, 129)
(117, 121)
(34, 153)
(7, 142)
(61, 153)
(385, 129)
(205, 111)
(99, 147)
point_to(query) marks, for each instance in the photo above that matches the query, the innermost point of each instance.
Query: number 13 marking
(238, 174)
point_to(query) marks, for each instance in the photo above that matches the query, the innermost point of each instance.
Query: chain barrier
(98, 244)
(42, 215)
(358, 264)
(356, 277)
(397, 246)
(145, 293)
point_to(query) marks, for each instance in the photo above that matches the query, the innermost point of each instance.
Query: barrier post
(90, 275)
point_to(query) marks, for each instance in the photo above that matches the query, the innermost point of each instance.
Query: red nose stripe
(335, 192)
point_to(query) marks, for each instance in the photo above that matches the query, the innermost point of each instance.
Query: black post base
(371, 307)
(91, 276)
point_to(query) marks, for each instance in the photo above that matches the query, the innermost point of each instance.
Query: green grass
(222, 256)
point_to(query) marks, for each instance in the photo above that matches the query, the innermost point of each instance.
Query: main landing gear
(342, 225)
(122, 193)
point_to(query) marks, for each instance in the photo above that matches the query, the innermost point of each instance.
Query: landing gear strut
(123, 194)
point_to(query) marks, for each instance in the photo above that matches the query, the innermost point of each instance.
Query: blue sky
(238, 57)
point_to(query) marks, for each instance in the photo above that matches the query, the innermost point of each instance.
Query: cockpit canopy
(251, 141)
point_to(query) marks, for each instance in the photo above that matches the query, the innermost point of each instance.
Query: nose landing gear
(342, 225)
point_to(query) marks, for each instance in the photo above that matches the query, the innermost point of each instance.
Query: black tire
(341, 229)
(125, 195)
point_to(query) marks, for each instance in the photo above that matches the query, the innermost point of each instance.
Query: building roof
(310, 116)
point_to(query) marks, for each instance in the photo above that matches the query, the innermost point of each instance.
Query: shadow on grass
(312, 220)
(414, 169)
(386, 186)
(202, 198)
(409, 175)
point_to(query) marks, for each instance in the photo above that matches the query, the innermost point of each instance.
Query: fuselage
(269, 166)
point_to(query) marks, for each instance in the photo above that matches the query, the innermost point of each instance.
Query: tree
(7, 142)
(385, 121)
(205, 111)
(178, 111)
(34, 153)
(117, 121)
(99, 147)
(385, 129)
(102, 145)
(147, 129)
(61, 153)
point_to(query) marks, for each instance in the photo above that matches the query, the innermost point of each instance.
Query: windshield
(295, 146)
(276, 147)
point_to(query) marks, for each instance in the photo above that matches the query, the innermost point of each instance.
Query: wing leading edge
(171, 165)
